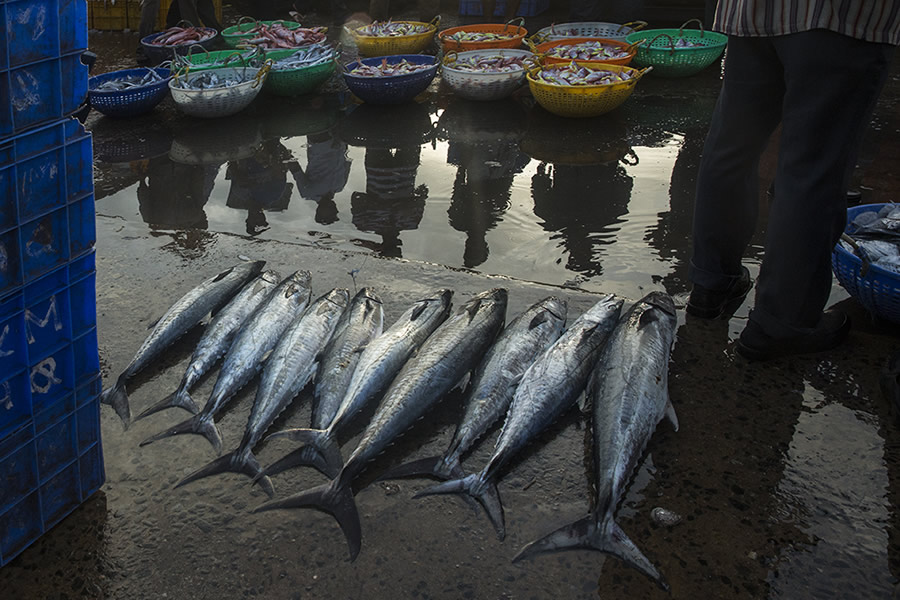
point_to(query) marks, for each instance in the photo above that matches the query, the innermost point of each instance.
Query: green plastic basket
(657, 49)
(296, 82)
(236, 34)
(217, 59)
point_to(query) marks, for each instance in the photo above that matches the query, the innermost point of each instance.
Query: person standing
(510, 10)
(817, 68)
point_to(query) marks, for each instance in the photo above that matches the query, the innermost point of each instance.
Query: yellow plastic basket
(584, 100)
(378, 45)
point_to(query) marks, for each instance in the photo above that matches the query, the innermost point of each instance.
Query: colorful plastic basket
(875, 288)
(376, 45)
(517, 34)
(590, 29)
(658, 48)
(239, 33)
(542, 49)
(583, 100)
(296, 82)
(204, 60)
(482, 86)
(220, 102)
(131, 102)
(391, 90)
(158, 54)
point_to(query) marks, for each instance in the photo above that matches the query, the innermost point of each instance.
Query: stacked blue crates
(51, 457)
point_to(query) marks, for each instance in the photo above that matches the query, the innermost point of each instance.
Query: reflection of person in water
(326, 173)
(259, 184)
(391, 203)
(580, 202)
(481, 191)
(172, 195)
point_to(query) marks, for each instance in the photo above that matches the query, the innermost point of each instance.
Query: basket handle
(641, 73)
(435, 21)
(697, 21)
(661, 35)
(245, 19)
(237, 55)
(632, 162)
(261, 74)
(532, 70)
(531, 44)
(538, 38)
(521, 24)
(450, 57)
(636, 25)
(186, 22)
(631, 48)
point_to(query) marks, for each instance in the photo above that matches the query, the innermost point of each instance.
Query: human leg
(512, 9)
(207, 13)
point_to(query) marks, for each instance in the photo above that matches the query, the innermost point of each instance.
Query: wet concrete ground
(785, 474)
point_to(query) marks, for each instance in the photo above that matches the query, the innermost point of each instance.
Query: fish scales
(183, 315)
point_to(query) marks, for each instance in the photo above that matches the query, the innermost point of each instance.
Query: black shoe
(713, 304)
(829, 333)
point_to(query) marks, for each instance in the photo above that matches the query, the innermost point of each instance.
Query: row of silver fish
(316, 55)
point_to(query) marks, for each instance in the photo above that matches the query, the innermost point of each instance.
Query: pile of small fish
(213, 79)
(479, 36)
(391, 29)
(527, 373)
(385, 69)
(575, 74)
(592, 50)
(687, 43)
(874, 236)
(279, 36)
(181, 36)
(316, 55)
(130, 82)
(488, 64)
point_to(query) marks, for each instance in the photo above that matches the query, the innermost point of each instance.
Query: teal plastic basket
(659, 49)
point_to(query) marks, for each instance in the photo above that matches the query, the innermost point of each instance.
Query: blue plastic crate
(47, 216)
(527, 8)
(51, 457)
(41, 75)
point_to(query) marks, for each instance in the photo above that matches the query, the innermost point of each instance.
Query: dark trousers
(822, 87)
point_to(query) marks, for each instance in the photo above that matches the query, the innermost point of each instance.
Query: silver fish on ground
(452, 351)
(378, 365)
(493, 385)
(246, 356)
(187, 312)
(362, 322)
(548, 388)
(216, 340)
(290, 367)
(629, 393)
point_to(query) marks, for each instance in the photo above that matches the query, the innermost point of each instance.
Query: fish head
(557, 308)
(660, 300)
(338, 296)
(368, 294)
(298, 285)
(270, 276)
(496, 296)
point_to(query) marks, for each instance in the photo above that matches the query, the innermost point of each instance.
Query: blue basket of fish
(390, 79)
(866, 262)
(129, 92)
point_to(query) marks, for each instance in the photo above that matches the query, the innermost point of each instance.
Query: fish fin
(418, 310)
(154, 323)
(196, 424)
(117, 397)
(485, 492)
(670, 414)
(320, 439)
(433, 466)
(462, 383)
(586, 533)
(338, 501)
(177, 399)
(303, 456)
(233, 462)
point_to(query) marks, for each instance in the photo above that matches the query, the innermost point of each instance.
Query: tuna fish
(290, 367)
(443, 360)
(629, 392)
(246, 356)
(187, 312)
(378, 365)
(494, 384)
(216, 340)
(548, 388)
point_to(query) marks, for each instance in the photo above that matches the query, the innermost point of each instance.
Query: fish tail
(303, 456)
(321, 440)
(117, 397)
(201, 424)
(334, 498)
(434, 466)
(180, 399)
(485, 492)
(233, 462)
(588, 533)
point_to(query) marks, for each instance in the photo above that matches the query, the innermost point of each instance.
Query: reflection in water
(484, 146)
(259, 183)
(326, 173)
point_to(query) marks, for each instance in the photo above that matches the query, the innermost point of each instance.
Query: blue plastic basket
(51, 457)
(391, 90)
(878, 289)
(47, 212)
(131, 102)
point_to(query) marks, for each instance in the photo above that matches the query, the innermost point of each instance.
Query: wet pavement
(785, 474)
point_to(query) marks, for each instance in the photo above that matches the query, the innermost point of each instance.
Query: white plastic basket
(609, 31)
(219, 102)
(483, 86)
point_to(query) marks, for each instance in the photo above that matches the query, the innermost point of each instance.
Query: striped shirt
(870, 20)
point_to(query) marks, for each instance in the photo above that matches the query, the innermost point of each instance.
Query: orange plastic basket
(383, 45)
(517, 33)
(541, 51)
